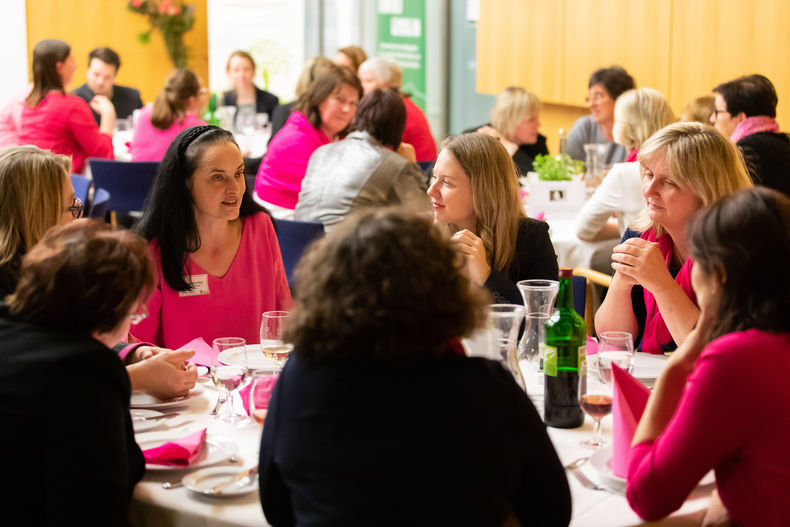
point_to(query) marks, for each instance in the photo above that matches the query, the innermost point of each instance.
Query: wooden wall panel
(519, 43)
(86, 24)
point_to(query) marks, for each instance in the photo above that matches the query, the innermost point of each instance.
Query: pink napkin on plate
(628, 405)
(179, 453)
(202, 356)
(263, 392)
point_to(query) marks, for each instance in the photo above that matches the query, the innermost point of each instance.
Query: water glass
(614, 347)
(272, 345)
(228, 373)
(262, 379)
(504, 321)
(539, 296)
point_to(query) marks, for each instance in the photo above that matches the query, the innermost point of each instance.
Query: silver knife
(238, 477)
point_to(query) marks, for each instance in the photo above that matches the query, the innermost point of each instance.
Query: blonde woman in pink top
(215, 250)
(175, 109)
(722, 401)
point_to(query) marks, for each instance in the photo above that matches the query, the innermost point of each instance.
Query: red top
(732, 417)
(418, 133)
(64, 124)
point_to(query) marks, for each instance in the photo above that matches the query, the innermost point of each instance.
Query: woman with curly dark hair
(378, 416)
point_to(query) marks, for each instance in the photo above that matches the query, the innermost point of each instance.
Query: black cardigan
(264, 101)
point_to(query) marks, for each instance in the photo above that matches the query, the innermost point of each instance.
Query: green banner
(401, 37)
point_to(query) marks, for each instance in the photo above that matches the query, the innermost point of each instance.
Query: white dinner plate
(647, 367)
(143, 400)
(140, 425)
(255, 358)
(601, 462)
(202, 481)
(217, 449)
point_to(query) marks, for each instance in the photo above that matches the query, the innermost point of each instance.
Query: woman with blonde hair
(638, 114)
(515, 122)
(700, 110)
(685, 166)
(475, 192)
(176, 108)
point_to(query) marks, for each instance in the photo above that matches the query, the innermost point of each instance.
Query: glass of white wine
(228, 373)
(272, 345)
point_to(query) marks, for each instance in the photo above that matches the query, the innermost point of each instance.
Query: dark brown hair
(106, 55)
(385, 284)
(329, 82)
(46, 56)
(615, 80)
(751, 94)
(171, 103)
(382, 114)
(745, 238)
(82, 277)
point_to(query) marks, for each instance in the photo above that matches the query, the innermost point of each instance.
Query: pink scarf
(656, 335)
(754, 124)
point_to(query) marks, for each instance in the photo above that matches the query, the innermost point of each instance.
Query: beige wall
(86, 24)
(681, 47)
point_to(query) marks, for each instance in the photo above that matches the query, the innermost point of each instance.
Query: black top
(70, 457)
(767, 157)
(534, 258)
(280, 115)
(525, 155)
(264, 101)
(126, 100)
(9, 277)
(451, 441)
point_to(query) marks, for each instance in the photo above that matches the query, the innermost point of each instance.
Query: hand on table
(164, 373)
(640, 262)
(471, 246)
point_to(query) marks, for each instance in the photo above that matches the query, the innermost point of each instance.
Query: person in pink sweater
(321, 115)
(175, 109)
(54, 120)
(721, 402)
(215, 250)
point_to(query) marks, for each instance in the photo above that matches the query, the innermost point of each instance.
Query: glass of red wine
(595, 398)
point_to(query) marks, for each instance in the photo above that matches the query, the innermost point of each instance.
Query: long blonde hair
(31, 183)
(699, 158)
(638, 114)
(495, 198)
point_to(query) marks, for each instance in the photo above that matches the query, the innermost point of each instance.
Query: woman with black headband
(216, 253)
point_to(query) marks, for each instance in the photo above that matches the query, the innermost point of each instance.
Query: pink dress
(285, 163)
(418, 132)
(149, 143)
(230, 306)
(63, 124)
(733, 417)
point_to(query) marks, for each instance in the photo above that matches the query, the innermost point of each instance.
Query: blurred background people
(350, 57)
(364, 169)
(103, 66)
(383, 72)
(699, 110)
(638, 114)
(515, 122)
(314, 69)
(381, 305)
(214, 248)
(474, 192)
(605, 86)
(746, 113)
(321, 115)
(685, 166)
(176, 108)
(245, 95)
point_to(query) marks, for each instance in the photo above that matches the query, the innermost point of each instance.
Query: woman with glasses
(64, 396)
(217, 258)
(37, 195)
(321, 115)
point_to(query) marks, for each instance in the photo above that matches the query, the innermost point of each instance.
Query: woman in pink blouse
(54, 120)
(216, 253)
(722, 401)
(175, 109)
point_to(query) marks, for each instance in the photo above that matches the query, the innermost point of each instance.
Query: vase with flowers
(173, 18)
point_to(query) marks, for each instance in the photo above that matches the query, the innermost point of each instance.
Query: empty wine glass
(614, 347)
(595, 398)
(272, 345)
(228, 372)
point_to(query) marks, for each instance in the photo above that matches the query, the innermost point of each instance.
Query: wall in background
(13, 49)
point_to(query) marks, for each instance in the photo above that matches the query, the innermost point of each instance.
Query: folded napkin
(179, 453)
(628, 405)
(202, 356)
(592, 346)
(263, 392)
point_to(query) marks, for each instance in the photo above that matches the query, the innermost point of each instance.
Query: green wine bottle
(563, 359)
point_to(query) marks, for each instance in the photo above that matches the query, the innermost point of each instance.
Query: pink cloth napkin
(179, 453)
(202, 356)
(592, 346)
(263, 392)
(628, 405)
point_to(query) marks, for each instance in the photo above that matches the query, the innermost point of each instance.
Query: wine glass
(229, 373)
(595, 398)
(262, 379)
(614, 347)
(272, 345)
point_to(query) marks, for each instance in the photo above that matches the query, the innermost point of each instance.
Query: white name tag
(199, 285)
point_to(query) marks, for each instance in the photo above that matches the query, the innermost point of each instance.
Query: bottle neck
(565, 294)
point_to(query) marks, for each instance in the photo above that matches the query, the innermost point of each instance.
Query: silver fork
(575, 468)
(221, 398)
